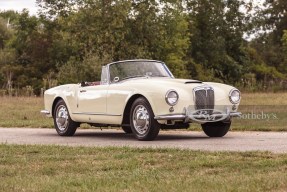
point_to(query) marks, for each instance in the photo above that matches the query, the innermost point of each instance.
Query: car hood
(161, 82)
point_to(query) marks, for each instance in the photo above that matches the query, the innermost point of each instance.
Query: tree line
(69, 40)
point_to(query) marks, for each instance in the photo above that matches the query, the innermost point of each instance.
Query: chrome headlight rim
(230, 96)
(167, 94)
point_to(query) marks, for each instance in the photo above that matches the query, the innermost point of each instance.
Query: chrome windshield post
(104, 76)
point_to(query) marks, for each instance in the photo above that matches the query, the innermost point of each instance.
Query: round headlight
(171, 97)
(234, 96)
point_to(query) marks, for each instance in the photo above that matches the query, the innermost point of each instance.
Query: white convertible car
(142, 97)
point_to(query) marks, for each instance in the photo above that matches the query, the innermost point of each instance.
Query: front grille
(204, 98)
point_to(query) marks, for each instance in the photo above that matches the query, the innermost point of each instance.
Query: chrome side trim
(78, 113)
(170, 117)
(46, 112)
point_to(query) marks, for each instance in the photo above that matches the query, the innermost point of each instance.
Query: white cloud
(19, 5)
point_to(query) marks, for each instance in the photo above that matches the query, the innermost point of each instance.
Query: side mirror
(83, 84)
(116, 79)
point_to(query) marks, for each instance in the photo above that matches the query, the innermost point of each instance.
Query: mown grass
(25, 112)
(58, 168)
(264, 98)
(262, 112)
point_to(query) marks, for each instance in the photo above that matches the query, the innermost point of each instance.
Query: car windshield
(133, 69)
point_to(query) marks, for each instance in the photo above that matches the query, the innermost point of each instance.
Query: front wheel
(64, 125)
(143, 124)
(216, 129)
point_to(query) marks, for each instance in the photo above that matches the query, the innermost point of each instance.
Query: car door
(92, 100)
(117, 97)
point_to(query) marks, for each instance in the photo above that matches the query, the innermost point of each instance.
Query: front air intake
(204, 98)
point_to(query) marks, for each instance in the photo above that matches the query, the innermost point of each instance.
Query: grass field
(262, 112)
(25, 112)
(55, 168)
(59, 168)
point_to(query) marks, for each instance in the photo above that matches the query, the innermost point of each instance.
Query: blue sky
(19, 5)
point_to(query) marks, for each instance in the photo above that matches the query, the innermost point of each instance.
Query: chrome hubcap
(62, 117)
(141, 119)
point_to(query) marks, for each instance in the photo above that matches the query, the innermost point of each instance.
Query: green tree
(272, 19)
(9, 69)
(120, 29)
(5, 33)
(174, 38)
(216, 29)
(89, 69)
(284, 51)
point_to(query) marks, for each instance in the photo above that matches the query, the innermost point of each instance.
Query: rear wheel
(143, 124)
(216, 129)
(64, 125)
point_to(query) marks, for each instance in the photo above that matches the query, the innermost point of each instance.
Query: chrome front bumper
(198, 118)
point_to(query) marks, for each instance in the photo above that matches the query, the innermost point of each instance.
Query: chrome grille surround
(204, 98)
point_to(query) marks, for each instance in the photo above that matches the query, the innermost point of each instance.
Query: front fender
(155, 99)
(68, 93)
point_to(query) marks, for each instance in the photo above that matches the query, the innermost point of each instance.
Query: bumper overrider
(200, 116)
(45, 112)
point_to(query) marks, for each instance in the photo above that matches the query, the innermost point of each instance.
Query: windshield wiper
(134, 76)
(159, 76)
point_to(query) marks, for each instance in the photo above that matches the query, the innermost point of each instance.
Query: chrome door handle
(82, 91)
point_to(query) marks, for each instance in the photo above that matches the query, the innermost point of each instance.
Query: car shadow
(107, 135)
(124, 136)
(116, 135)
(180, 137)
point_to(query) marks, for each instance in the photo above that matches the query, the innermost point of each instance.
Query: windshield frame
(138, 60)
